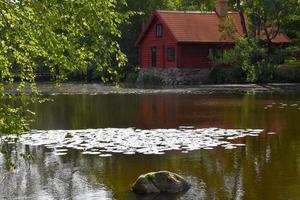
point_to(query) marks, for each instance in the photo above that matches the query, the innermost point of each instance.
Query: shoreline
(75, 88)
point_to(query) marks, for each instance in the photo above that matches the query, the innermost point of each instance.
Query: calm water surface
(268, 167)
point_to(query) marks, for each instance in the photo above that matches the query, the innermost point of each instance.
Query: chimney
(222, 7)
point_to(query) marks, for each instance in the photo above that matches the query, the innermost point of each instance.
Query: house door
(153, 56)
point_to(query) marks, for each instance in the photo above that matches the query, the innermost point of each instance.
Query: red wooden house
(183, 39)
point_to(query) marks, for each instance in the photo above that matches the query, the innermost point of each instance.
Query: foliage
(15, 115)
(268, 17)
(6, 150)
(255, 58)
(227, 29)
(132, 77)
(288, 72)
(27, 156)
(292, 27)
(252, 62)
(149, 80)
(62, 36)
(221, 75)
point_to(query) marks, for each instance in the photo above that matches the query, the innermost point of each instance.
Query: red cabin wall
(161, 43)
(195, 56)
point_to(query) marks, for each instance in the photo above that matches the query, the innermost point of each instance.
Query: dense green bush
(131, 77)
(288, 73)
(250, 61)
(149, 80)
(221, 75)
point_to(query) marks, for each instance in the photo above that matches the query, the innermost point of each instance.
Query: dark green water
(267, 168)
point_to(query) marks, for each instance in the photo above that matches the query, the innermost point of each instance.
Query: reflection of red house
(172, 111)
(184, 39)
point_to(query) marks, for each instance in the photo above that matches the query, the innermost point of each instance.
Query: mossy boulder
(160, 182)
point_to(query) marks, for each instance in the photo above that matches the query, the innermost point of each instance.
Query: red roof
(198, 27)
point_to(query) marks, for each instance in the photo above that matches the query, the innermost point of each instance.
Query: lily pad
(131, 141)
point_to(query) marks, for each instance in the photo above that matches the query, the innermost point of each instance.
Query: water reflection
(166, 111)
(53, 177)
(268, 167)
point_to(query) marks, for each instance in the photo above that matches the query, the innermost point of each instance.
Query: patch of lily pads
(130, 141)
(282, 106)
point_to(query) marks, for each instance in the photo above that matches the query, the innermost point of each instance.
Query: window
(159, 30)
(171, 54)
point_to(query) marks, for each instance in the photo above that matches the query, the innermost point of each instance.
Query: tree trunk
(242, 16)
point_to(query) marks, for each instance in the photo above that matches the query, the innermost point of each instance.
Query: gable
(150, 27)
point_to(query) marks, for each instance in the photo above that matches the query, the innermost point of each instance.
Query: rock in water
(160, 182)
(144, 185)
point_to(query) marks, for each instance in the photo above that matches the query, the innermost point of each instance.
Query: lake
(267, 167)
